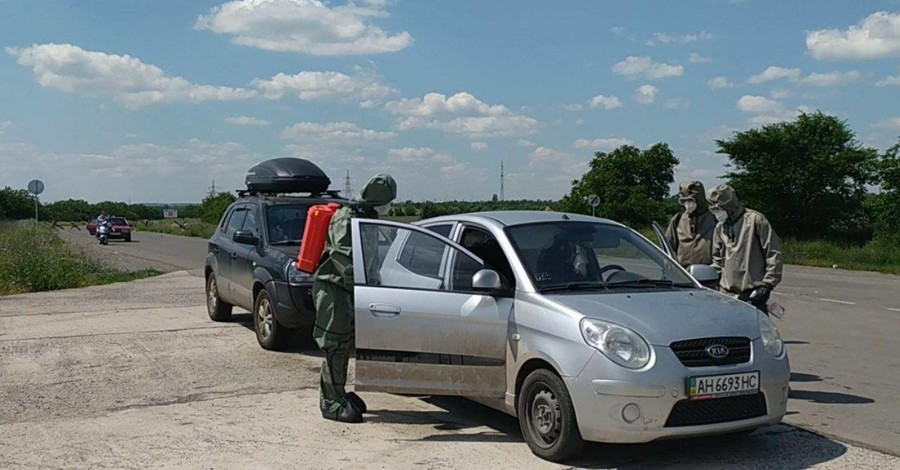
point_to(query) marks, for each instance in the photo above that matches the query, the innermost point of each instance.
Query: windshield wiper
(574, 286)
(649, 283)
(286, 242)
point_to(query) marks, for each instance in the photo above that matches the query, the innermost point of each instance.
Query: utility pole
(348, 187)
(502, 195)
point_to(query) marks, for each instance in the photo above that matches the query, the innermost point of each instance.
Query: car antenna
(565, 217)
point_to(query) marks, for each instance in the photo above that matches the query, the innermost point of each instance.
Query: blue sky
(152, 100)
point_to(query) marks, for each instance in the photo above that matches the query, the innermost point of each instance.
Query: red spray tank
(318, 218)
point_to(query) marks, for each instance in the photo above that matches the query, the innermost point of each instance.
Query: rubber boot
(358, 402)
(347, 413)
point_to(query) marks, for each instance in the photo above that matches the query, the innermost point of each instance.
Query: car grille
(692, 352)
(716, 410)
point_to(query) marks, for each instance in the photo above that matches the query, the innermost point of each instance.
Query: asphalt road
(841, 329)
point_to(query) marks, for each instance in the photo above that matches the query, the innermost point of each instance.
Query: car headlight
(622, 345)
(770, 337)
(296, 277)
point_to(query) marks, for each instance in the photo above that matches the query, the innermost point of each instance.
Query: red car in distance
(119, 228)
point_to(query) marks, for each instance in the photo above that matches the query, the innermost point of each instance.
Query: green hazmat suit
(333, 289)
(746, 250)
(690, 235)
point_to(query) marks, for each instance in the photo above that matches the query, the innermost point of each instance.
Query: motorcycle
(103, 232)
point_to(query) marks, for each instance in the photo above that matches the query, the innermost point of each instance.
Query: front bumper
(294, 307)
(603, 389)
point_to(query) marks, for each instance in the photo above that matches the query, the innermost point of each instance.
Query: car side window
(236, 220)
(412, 260)
(442, 229)
(250, 223)
(485, 246)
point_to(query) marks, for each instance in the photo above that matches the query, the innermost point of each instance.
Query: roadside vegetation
(32, 262)
(184, 227)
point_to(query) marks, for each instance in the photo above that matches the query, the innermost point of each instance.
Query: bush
(877, 255)
(213, 207)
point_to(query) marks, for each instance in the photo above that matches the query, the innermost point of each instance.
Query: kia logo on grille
(717, 351)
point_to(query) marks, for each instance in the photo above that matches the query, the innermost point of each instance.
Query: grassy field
(43, 262)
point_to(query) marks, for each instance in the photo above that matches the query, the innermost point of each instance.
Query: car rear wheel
(217, 309)
(269, 333)
(127, 238)
(547, 417)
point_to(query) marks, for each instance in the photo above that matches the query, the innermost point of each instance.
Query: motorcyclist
(746, 250)
(690, 232)
(333, 295)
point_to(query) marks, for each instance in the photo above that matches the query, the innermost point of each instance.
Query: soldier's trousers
(335, 334)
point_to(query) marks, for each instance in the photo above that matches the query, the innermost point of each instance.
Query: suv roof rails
(321, 194)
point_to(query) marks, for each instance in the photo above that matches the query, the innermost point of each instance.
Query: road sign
(170, 213)
(35, 187)
(594, 200)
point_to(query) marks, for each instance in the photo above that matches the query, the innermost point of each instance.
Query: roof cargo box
(287, 175)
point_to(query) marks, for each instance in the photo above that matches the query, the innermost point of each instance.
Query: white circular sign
(594, 200)
(35, 187)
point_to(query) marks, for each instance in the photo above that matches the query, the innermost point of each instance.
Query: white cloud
(547, 157)
(774, 73)
(601, 144)
(617, 30)
(304, 26)
(525, 143)
(780, 94)
(832, 78)
(719, 82)
(333, 132)
(123, 78)
(876, 37)
(677, 103)
(479, 146)
(461, 113)
(572, 107)
(419, 155)
(695, 58)
(646, 94)
(758, 104)
(666, 38)
(634, 67)
(892, 124)
(3, 126)
(247, 121)
(605, 102)
(890, 80)
(325, 86)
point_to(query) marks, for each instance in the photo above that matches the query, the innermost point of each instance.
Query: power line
(348, 187)
(502, 196)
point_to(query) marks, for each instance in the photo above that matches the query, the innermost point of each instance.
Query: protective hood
(380, 190)
(696, 190)
(724, 197)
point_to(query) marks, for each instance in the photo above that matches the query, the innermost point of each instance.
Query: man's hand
(760, 296)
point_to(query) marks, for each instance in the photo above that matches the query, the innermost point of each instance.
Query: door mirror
(245, 237)
(703, 273)
(486, 280)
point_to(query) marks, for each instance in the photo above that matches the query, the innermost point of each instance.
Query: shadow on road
(778, 446)
(796, 341)
(831, 398)
(295, 345)
(801, 377)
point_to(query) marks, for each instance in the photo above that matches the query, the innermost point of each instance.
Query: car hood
(664, 317)
(288, 251)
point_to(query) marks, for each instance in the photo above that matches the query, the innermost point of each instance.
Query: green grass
(877, 255)
(187, 228)
(32, 262)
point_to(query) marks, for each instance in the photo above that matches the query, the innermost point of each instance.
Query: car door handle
(384, 310)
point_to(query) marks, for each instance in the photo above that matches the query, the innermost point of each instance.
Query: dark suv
(252, 264)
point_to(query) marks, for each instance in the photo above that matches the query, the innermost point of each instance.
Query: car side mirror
(487, 280)
(703, 273)
(245, 237)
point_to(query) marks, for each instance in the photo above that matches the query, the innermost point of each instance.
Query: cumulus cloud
(695, 58)
(479, 146)
(333, 132)
(646, 94)
(572, 107)
(605, 102)
(719, 82)
(634, 67)
(525, 143)
(325, 86)
(123, 78)
(677, 103)
(666, 38)
(305, 26)
(602, 145)
(247, 121)
(892, 124)
(780, 94)
(831, 78)
(774, 73)
(765, 110)
(461, 113)
(890, 80)
(875, 37)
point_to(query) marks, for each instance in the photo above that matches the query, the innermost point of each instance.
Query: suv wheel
(547, 417)
(217, 309)
(269, 333)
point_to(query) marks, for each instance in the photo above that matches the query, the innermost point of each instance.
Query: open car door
(663, 243)
(421, 327)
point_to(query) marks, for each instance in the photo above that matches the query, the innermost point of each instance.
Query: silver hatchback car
(580, 327)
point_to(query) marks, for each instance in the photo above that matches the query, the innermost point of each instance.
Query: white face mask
(690, 207)
(720, 215)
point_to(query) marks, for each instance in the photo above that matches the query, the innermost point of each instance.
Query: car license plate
(718, 386)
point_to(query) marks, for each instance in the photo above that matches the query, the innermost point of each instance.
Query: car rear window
(285, 222)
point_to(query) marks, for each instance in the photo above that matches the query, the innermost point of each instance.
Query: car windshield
(117, 221)
(588, 255)
(285, 223)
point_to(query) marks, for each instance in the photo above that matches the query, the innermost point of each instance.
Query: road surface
(841, 329)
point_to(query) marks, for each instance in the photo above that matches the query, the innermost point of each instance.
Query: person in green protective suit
(333, 295)
(690, 232)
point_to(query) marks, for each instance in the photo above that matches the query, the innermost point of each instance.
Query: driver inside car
(564, 261)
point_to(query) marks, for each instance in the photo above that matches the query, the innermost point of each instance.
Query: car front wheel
(269, 333)
(215, 307)
(547, 417)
